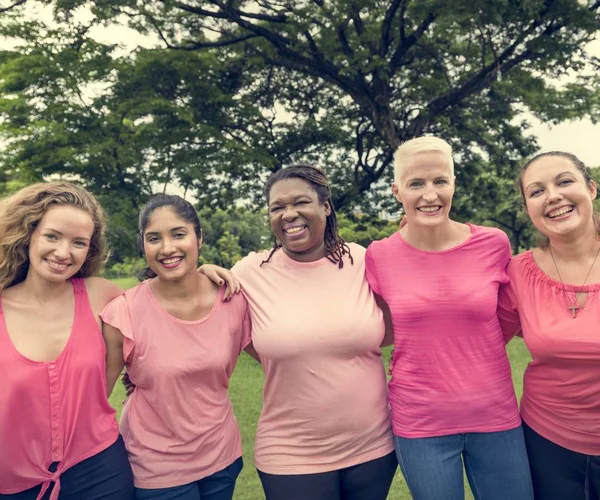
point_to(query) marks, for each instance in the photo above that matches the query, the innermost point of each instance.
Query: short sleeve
(116, 314)
(505, 256)
(508, 314)
(371, 271)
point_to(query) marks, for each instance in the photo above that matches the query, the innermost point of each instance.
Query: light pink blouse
(561, 387)
(55, 411)
(178, 425)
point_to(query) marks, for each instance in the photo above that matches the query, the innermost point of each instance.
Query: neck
(579, 247)
(42, 291)
(427, 237)
(183, 289)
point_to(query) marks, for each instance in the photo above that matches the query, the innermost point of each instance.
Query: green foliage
(363, 229)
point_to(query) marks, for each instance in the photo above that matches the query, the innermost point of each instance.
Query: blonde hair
(20, 214)
(420, 145)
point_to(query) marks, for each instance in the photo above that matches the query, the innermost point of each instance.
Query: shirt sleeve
(116, 314)
(508, 313)
(371, 271)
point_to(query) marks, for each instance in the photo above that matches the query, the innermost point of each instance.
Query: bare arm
(114, 355)
(388, 338)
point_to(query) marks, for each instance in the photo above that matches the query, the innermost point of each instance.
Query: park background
(206, 98)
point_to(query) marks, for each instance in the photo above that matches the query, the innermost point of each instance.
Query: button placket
(55, 414)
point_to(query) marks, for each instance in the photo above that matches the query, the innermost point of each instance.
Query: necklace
(575, 305)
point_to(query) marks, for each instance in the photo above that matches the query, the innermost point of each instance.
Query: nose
(553, 195)
(289, 213)
(62, 250)
(168, 247)
(430, 193)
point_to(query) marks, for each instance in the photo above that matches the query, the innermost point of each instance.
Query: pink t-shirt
(317, 330)
(178, 425)
(55, 411)
(450, 372)
(561, 386)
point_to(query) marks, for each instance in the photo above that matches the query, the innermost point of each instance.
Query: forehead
(425, 164)
(291, 188)
(164, 218)
(548, 167)
(68, 220)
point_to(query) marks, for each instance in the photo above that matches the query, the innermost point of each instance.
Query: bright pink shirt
(317, 330)
(561, 386)
(178, 425)
(450, 371)
(55, 411)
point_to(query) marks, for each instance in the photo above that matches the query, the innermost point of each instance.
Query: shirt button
(52, 366)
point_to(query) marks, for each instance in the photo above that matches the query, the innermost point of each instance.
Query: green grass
(246, 392)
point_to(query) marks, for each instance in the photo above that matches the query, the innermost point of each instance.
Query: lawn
(246, 389)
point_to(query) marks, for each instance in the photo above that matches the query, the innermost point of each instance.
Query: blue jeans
(217, 486)
(495, 462)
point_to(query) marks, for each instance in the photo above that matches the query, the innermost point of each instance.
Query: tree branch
(10, 7)
(386, 27)
(406, 43)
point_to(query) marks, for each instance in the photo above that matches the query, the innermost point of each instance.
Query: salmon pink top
(178, 425)
(317, 330)
(55, 411)
(450, 371)
(561, 386)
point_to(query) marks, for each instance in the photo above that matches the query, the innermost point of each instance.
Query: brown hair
(335, 246)
(20, 214)
(544, 242)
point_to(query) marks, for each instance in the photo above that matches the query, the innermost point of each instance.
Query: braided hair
(335, 246)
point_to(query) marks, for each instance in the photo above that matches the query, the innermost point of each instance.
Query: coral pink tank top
(53, 411)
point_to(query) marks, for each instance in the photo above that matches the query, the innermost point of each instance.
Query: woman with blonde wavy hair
(58, 434)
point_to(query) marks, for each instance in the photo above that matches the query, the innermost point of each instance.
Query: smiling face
(557, 197)
(426, 188)
(171, 246)
(60, 243)
(298, 219)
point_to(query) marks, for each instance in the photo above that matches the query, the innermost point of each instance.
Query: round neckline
(166, 313)
(536, 270)
(298, 263)
(472, 227)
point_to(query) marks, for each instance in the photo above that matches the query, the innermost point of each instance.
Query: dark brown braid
(335, 246)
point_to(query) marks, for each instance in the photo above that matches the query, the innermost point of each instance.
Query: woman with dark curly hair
(58, 432)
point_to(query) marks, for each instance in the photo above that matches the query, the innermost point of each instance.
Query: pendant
(574, 308)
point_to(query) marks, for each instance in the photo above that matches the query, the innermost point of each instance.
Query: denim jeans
(217, 486)
(495, 462)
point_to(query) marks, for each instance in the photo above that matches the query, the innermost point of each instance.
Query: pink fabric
(450, 372)
(56, 411)
(317, 330)
(178, 425)
(561, 386)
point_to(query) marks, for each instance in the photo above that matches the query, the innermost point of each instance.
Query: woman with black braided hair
(324, 431)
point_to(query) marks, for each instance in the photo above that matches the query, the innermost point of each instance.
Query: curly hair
(335, 246)
(20, 214)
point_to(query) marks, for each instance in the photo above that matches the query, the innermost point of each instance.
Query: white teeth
(171, 261)
(294, 230)
(429, 209)
(56, 265)
(560, 211)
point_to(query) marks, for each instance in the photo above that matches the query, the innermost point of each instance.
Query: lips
(171, 262)
(559, 212)
(294, 230)
(429, 209)
(57, 266)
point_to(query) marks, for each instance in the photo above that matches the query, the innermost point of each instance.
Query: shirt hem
(460, 430)
(186, 479)
(319, 468)
(564, 444)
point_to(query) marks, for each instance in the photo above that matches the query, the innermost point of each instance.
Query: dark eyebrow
(278, 201)
(156, 233)
(558, 176)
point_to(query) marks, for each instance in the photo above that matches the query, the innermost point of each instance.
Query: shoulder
(520, 262)
(101, 291)
(379, 246)
(357, 250)
(491, 235)
(251, 262)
